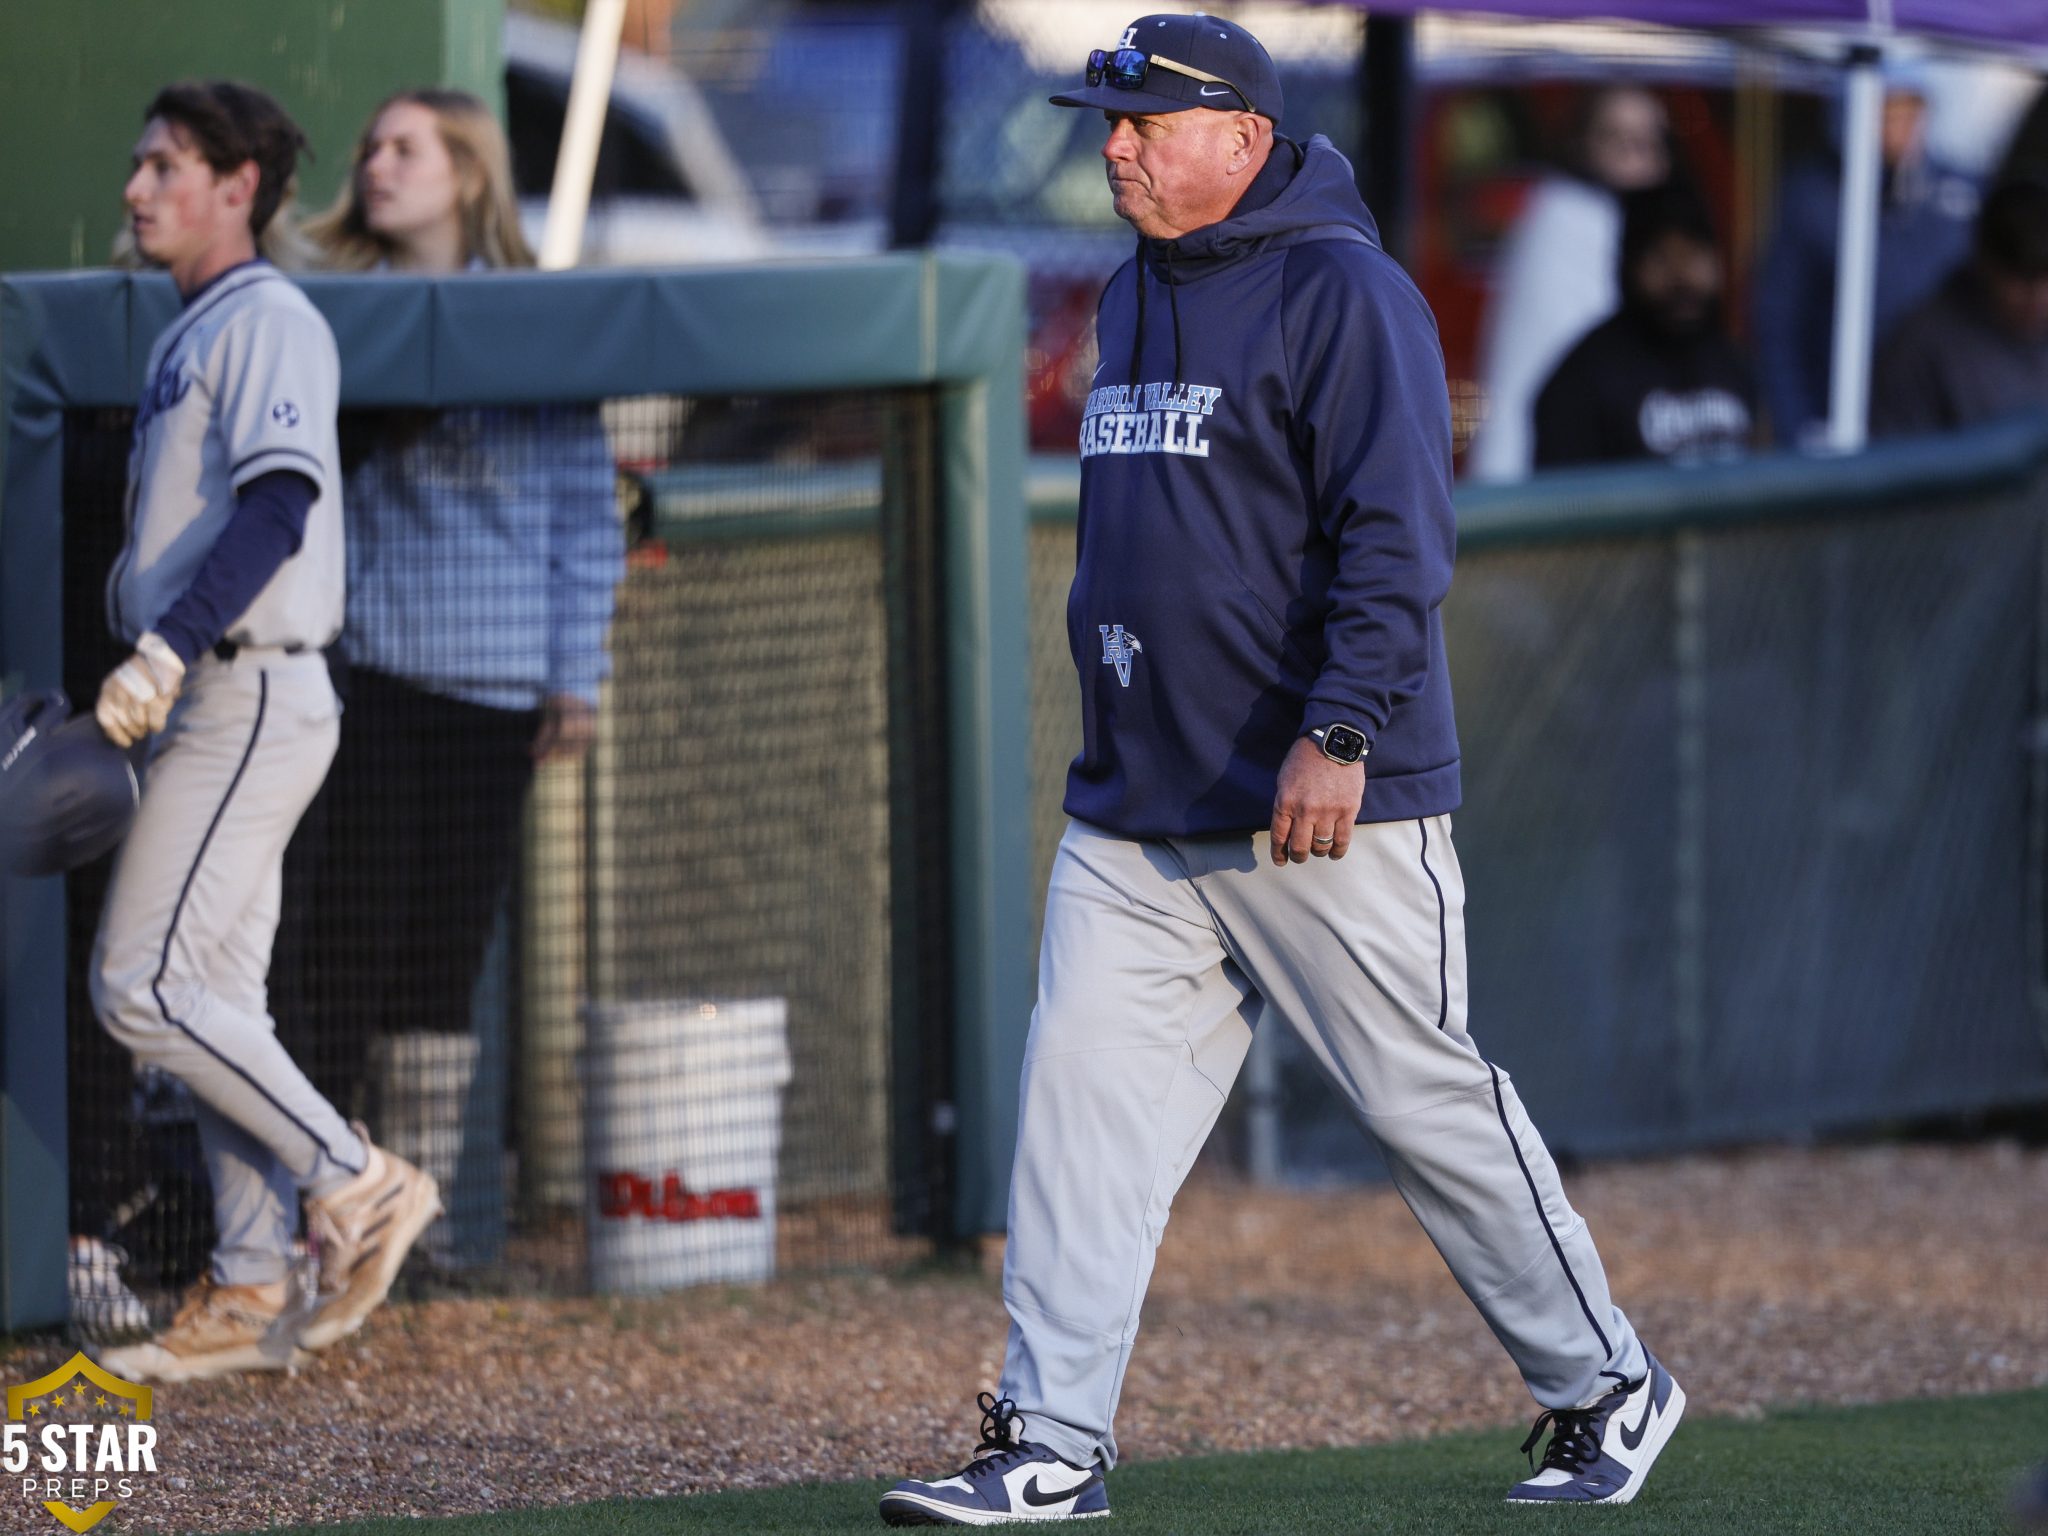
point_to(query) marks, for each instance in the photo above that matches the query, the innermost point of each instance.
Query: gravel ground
(1275, 1319)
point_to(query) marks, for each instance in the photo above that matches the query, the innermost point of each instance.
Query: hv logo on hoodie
(1119, 650)
(1148, 418)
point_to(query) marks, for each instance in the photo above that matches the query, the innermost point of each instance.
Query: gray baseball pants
(180, 970)
(1160, 958)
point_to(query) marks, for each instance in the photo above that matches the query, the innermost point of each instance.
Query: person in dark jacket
(1659, 379)
(1923, 229)
(1979, 347)
(1260, 830)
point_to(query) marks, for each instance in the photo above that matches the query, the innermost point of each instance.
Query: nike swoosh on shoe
(1038, 1498)
(1633, 1438)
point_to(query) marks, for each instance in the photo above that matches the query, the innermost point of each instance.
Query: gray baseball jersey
(245, 381)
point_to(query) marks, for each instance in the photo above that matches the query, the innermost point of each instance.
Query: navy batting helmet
(67, 794)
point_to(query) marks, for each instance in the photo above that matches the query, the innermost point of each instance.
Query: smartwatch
(1341, 743)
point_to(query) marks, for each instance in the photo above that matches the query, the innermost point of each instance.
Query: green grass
(1940, 1466)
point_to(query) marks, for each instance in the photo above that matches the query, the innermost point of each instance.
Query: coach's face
(179, 207)
(1172, 172)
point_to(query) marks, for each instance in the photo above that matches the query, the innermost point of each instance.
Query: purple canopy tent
(1866, 25)
(2001, 23)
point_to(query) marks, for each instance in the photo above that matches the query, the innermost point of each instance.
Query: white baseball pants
(180, 970)
(1160, 958)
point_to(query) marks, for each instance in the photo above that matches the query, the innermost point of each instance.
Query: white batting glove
(137, 696)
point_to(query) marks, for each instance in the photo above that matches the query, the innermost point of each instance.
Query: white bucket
(682, 1125)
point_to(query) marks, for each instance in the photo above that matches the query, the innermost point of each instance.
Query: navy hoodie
(1266, 531)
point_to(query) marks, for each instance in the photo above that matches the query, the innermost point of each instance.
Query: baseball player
(1260, 832)
(228, 585)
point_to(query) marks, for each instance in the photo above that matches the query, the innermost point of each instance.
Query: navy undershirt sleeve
(266, 529)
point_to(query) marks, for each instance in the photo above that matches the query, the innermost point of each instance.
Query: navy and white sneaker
(1009, 1481)
(1601, 1454)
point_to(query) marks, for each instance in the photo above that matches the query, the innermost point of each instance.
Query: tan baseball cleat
(360, 1236)
(218, 1330)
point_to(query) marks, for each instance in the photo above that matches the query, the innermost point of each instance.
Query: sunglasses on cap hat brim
(1127, 72)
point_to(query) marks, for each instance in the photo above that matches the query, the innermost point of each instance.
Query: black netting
(639, 1003)
(1868, 714)
(1562, 668)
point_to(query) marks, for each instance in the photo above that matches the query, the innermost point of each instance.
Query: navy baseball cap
(1172, 63)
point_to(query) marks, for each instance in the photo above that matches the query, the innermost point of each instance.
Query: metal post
(1856, 252)
(2037, 798)
(601, 917)
(1689, 863)
(914, 207)
(1386, 80)
(550, 1129)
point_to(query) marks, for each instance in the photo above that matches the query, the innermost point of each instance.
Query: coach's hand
(136, 698)
(1316, 806)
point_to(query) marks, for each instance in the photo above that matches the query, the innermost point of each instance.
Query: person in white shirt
(1556, 279)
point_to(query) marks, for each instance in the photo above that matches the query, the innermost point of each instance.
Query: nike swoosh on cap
(1226, 91)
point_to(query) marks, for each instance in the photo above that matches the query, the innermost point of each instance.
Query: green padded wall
(79, 72)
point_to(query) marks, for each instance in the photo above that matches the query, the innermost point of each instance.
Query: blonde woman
(430, 190)
(483, 549)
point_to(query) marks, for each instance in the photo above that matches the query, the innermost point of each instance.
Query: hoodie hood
(1303, 192)
(1317, 200)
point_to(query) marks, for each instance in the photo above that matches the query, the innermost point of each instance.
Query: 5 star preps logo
(76, 1440)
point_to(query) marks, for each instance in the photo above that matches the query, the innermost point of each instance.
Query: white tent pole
(1856, 252)
(590, 90)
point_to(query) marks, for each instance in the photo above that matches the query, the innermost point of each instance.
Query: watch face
(1344, 743)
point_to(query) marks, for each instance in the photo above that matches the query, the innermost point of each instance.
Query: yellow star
(100, 1401)
(35, 1408)
(126, 1409)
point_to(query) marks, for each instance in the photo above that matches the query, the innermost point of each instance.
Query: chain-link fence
(1752, 827)
(613, 962)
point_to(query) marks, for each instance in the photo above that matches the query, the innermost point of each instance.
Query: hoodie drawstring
(1173, 302)
(1138, 336)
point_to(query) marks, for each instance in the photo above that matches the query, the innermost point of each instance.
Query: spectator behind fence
(1923, 230)
(1660, 379)
(1978, 348)
(484, 550)
(1556, 273)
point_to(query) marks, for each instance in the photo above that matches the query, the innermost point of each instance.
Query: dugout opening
(762, 812)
